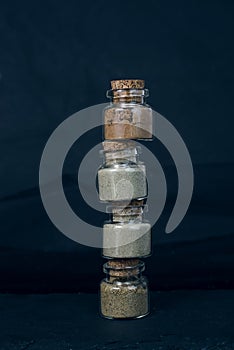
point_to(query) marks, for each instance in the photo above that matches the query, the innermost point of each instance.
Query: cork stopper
(133, 211)
(111, 146)
(134, 203)
(137, 202)
(123, 263)
(127, 84)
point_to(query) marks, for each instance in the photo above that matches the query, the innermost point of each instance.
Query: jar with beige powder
(124, 291)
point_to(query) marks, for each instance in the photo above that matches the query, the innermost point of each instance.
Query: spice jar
(128, 116)
(124, 291)
(127, 236)
(122, 176)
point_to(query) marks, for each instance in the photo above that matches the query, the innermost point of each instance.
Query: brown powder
(128, 123)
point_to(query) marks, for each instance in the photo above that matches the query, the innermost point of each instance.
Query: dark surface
(206, 263)
(180, 320)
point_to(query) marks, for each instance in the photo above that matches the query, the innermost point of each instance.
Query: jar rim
(137, 92)
(109, 208)
(137, 150)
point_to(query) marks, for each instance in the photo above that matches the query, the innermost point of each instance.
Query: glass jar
(124, 291)
(128, 116)
(122, 177)
(127, 235)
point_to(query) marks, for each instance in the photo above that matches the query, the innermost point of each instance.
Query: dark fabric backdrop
(58, 57)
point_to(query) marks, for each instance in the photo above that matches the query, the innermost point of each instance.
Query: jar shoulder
(118, 283)
(122, 165)
(130, 225)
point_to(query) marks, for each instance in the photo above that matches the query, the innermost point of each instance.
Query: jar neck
(124, 279)
(128, 95)
(129, 154)
(127, 214)
(123, 271)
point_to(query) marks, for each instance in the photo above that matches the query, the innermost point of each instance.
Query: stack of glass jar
(122, 184)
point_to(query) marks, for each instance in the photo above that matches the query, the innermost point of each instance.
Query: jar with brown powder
(128, 116)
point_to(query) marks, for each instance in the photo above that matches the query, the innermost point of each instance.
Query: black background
(58, 57)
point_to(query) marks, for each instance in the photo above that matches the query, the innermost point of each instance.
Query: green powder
(122, 183)
(136, 235)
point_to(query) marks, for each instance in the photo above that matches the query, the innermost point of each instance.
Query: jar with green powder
(127, 235)
(122, 176)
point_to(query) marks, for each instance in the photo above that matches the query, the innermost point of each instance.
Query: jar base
(125, 318)
(112, 257)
